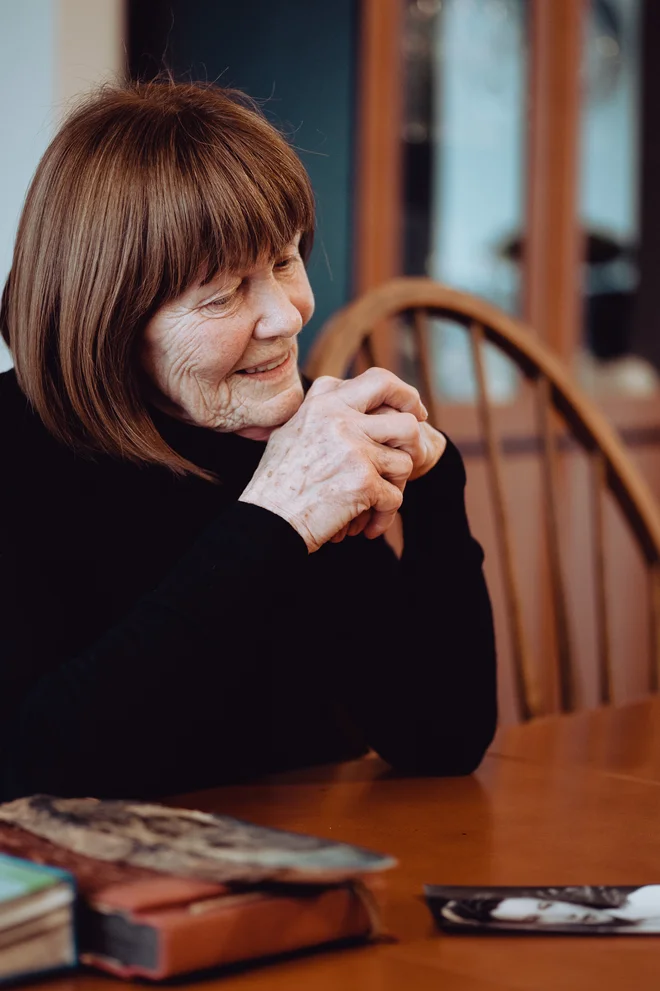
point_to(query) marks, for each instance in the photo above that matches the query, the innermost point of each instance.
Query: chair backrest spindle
(654, 624)
(530, 703)
(597, 477)
(568, 691)
(421, 334)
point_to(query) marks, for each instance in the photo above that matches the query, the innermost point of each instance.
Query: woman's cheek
(221, 351)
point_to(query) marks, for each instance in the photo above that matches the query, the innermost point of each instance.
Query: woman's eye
(284, 263)
(219, 303)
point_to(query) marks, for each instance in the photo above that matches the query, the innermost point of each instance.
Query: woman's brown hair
(144, 189)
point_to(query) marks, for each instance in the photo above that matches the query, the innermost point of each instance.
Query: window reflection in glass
(609, 361)
(464, 147)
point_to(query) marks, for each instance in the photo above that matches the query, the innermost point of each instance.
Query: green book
(37, 922)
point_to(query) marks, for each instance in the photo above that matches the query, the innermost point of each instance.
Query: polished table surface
(564, 800)
(623, 741)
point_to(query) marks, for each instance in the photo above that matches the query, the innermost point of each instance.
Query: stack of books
(37, 931)
(166, 891)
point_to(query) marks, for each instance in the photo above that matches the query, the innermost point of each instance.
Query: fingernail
(425, 412)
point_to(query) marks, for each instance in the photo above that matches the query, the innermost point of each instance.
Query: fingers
(393, 465)
(323, 384)
(377, 387)
(375, 521)
(359, 523)
(369, 457)
(384, 510)
(397, 430)
(434, 444)
(421, 441)
(379, 523)
(339, 536)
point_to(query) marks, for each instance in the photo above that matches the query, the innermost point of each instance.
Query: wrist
(294, 521)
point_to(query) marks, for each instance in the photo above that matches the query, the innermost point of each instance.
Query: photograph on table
(583, 910)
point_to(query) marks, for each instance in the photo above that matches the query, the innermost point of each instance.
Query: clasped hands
(339, 466)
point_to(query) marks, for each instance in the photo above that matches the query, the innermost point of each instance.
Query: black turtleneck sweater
(158, 636)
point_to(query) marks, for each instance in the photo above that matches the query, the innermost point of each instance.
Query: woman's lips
(267, 369)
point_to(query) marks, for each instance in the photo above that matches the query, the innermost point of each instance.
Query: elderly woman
(195, 583)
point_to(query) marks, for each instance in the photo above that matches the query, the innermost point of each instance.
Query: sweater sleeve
(99, 723)
(430, 704)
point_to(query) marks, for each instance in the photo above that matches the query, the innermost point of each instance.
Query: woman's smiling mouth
(266, 367)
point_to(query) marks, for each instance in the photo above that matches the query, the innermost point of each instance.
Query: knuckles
(400, 463)
(397, 498)
(383, 376)
(323, 384)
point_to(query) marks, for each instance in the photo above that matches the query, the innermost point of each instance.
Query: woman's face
(224, 355)
(548, 913)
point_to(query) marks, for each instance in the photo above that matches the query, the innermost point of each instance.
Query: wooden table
(565, 800)
(623, 742)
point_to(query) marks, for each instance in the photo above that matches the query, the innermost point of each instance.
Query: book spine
(243, 928)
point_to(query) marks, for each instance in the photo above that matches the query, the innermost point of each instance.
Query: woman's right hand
(332, 461)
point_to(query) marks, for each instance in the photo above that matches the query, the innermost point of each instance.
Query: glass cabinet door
(531, 155)
(466, 168)
(464, 135)
(617, 353)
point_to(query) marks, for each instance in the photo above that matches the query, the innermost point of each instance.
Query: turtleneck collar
(228, 456)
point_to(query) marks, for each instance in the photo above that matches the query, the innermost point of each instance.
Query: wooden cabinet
(521, 153)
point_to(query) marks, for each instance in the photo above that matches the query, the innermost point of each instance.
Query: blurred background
(432, 108)
(508, 148)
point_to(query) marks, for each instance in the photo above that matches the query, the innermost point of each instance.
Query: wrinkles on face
(195, 349)
(178, 361)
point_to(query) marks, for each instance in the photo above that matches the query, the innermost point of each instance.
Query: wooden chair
(351, 334)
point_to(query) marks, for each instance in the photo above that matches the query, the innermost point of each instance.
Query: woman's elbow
(450, 755)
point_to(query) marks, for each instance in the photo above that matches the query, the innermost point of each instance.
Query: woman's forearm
(429, 703)
(116, 718)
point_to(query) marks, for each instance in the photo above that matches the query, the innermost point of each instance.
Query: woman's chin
(279, 412)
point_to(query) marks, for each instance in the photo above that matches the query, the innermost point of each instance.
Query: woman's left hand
(432, 446)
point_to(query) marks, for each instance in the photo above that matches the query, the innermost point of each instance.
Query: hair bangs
(228, 200)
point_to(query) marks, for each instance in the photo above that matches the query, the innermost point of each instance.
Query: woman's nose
(278, 316)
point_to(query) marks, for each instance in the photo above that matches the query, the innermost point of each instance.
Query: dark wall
(299, 57)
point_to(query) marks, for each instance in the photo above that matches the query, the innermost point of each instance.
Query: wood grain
(621, 741)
